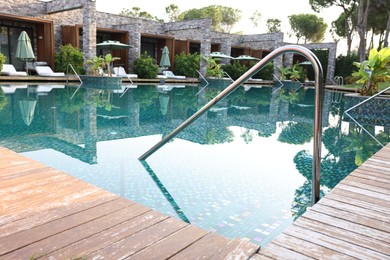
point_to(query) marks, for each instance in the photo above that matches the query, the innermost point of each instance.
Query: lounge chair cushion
(46, 71)
(9, 69)
(120, 72)
(170, 75)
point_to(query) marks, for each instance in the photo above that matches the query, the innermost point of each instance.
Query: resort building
(59, 22)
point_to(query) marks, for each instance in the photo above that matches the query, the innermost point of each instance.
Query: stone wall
(32, 8)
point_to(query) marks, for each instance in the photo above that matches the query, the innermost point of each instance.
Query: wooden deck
(351, 222)
(45, 213)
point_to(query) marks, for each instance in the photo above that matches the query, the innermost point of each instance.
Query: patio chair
(170, 75)
(46, 71)
(9, 69)
(120, 72)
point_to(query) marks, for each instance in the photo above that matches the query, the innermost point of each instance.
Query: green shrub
(235, 70)
(345, 67)
(146, 67)
(3, 59)
(187, 64)
(67, 54)
(266, 72)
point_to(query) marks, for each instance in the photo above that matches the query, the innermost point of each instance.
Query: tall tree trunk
(386, 42)
(364, 5)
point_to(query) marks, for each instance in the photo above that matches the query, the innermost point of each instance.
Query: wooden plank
(360, 199)
(335, 244)
(364, 192)
(112, 235)
(237, 247)
(375, 167)
(371, 185)
(308, 248)
(345, 235)
(171, 245)
(274, 251)
(20, 239)
(352, 209)
(135, 243)
(20, 170)
(347, 225)
(371, 176)
(203, 248)
(260, 257)
(39, 174)
(357, 219)
(20, 222)
(60, 240)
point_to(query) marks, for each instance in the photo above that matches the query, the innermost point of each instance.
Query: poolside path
(351, 222)
(47, 214)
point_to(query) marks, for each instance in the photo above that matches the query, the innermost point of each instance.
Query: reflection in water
(243, 169)
(165, 192)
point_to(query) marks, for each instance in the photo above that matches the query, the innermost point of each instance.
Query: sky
(279, 9)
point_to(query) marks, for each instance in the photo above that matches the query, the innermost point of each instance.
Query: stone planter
(102, 82)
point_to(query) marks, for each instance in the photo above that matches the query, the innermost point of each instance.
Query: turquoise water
(241, 170)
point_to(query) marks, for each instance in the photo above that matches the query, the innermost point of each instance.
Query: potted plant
(214, 73)
(372, 71)
(290, 76)
(96, 78)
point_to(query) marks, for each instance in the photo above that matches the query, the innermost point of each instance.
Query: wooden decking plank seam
(353, 217)
(127, 247)
(347, 225)
(367, 184)
(332, 243)
(371, 176)
(39, 235)
(29, 221)
(301, 246)
(359, 203)
(63, 238)
(154, 248)
(353, 209)
(98, 241)
(348, 236)
(358, 190)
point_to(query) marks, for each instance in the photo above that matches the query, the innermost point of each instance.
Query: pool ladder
(255, 69)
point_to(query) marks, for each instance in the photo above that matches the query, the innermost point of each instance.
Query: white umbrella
(246, 57)
(220, 55)
(27, 109)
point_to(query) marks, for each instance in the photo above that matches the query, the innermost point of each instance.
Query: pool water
(243, 169)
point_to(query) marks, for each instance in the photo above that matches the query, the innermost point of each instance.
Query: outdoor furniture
(169, 74)
(120, 72)
(31, 65)
(46, 71)
(9, 69)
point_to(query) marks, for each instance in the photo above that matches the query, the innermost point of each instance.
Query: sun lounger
(9, 69)
(120, 72)
(46, 71)
(170, 75)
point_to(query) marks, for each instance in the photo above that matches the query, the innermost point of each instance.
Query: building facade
(59, 22)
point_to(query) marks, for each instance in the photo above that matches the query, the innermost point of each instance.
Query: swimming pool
(241, 170)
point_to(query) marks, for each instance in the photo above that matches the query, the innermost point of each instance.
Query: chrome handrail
(361, 103)
(77, 75)
(255, 69)
(207, 83)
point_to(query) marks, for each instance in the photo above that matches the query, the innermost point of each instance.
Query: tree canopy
(137, 13)
(308, 26)
(274, 25)
(223, 18)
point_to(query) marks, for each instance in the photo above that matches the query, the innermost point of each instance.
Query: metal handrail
(361, 103)
(207, 83)
(67, 74)
(255, 69)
